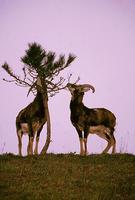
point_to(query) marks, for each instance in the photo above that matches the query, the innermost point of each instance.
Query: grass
(67, 176)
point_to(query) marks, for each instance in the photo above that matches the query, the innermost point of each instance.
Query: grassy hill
(67, 176)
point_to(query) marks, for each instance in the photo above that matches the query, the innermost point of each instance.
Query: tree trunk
(47, 114)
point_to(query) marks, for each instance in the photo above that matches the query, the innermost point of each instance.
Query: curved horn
(87, 87)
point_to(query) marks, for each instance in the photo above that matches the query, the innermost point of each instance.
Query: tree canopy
(40, 63)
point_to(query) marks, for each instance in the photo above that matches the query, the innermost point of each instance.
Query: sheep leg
(37, 140)
(85, 146)
(81, 146)
(81, 140)
(19, 134)
(86, 132)
(113, 144)
(36, 146)
(31, 139)
(107, 148)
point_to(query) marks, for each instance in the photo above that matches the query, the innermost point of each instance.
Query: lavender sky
(101, 33)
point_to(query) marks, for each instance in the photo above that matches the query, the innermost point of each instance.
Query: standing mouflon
(98, 120)
(30, 121)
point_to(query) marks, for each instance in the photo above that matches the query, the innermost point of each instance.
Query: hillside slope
(67, 176)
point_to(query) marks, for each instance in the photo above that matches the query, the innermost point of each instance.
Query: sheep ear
(71, 87)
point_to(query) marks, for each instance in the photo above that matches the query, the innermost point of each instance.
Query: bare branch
(10, 81)
(32, 87)
(16, 78)
(69, 77)
(25, 74)
(78, 79)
